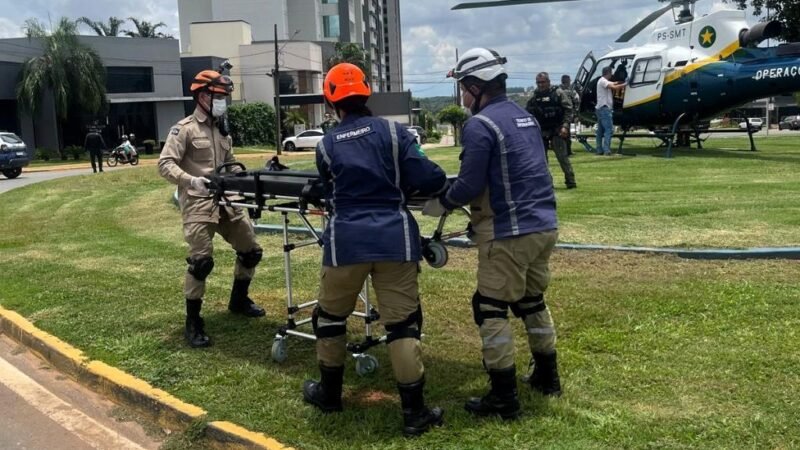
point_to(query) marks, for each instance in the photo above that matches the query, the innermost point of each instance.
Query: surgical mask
(219, 107)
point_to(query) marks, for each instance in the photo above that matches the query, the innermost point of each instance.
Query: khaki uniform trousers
(237, 231)
(515, 271)
(397, 291)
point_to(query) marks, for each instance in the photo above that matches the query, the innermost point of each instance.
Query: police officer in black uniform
(552, 108)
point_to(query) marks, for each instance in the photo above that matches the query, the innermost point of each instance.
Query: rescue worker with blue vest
(369, 167)
(195, 147)
(552, 108)
(505, 180)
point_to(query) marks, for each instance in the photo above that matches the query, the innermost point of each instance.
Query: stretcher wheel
(435, 253)
(279, 353)
(366, 364)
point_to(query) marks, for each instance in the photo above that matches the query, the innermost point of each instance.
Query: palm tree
(146, 29)
(110, 28)
(73, 72)
(348, 52)
(293, 117)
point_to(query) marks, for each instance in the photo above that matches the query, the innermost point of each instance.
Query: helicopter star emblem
(708, 36)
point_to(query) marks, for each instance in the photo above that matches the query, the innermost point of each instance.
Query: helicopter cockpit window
(646, 71)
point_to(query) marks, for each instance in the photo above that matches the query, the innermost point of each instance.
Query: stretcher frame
(433, 251)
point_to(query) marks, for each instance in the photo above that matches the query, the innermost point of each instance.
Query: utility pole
(276, 75)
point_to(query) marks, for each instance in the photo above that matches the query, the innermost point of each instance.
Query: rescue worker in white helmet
(369, 167)
(194, 148)
(505, 180)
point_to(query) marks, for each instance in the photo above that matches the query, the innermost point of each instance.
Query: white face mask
(219, 107)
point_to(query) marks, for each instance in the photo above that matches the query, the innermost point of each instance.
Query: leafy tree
(352, 53)
(73, 72)
(146, 29)
(455, 116)
(252, 124)
(110, 28)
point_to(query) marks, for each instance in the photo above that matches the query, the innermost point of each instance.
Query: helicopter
(688, 73)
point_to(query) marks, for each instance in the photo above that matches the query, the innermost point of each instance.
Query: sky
(553, 38)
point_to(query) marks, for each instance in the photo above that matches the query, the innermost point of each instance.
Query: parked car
(306, 139)
(755, 124)
(414, 133)
(423, 135)
(789, 123)
(13, 155)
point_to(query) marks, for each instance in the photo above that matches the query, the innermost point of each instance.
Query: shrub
(252, 124)
(74, 150)
(44, 153)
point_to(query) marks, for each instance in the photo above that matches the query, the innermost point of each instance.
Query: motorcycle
(117, 156)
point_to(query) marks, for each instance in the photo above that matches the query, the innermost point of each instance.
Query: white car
(306, 139)
(414, 133)
(755, 124)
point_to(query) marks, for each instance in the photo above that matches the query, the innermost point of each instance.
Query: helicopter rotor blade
(630, 34)
(503, 3)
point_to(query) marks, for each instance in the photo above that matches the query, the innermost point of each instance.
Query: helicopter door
(645, 82)
(581, 82)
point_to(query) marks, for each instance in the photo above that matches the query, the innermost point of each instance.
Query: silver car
(13, 155)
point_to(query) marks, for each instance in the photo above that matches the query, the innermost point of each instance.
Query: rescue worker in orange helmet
(194, 148)
(369, 167)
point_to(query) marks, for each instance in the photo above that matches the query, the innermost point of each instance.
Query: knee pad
(200, 267)
(327, 325)
(250, 259)
(480, 315)
(528, 306)
(405, 329)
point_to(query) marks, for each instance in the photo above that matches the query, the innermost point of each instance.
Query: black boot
(502, 398)
(417, 418)
(195, 327)
(545, 374)
(325, 394)
(242, 304)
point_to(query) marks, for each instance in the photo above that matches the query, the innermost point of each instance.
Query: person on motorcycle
(126, 148)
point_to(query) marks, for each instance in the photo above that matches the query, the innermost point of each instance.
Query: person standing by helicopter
(605, 110)
(552, 108)
(575, 99)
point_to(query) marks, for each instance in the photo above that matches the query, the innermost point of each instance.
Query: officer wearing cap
(505, 180)
(194, 148)
(369, 167)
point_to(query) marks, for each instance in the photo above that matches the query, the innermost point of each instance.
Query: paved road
(41, 409)
(34, 177)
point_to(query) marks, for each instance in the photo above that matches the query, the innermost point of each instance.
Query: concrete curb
(125, 389)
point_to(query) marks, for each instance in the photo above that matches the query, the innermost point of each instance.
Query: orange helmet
(213, 82)
(345, 80)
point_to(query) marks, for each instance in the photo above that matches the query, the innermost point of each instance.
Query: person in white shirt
(605, 111)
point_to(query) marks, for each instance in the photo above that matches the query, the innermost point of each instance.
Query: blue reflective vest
(369, 167)
(504, 154)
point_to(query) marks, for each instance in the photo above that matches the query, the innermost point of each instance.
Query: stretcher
(301, 194)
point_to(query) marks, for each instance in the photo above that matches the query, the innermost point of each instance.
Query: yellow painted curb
(128, 390)
(244, 437)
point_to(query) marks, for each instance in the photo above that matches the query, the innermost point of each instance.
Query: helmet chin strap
(205, 109)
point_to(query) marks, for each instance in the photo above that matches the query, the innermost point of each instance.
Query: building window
(330, 26)
(129, 80)
(330, 2)
(646, 71)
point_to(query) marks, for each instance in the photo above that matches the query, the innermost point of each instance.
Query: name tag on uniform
(353, 134)
(525, 122)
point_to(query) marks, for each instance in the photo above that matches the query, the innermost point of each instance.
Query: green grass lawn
(656, 352)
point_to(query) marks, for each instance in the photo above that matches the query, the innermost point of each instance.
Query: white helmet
(481, 63)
